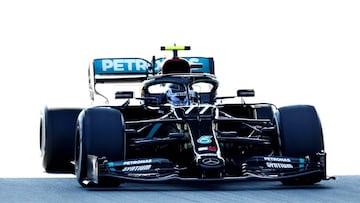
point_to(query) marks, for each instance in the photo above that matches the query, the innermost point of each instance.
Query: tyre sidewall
(57, 132)
(300, 131)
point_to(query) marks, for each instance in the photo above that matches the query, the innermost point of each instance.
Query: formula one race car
(178, 130)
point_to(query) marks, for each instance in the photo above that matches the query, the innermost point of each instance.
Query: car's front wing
(163, 170)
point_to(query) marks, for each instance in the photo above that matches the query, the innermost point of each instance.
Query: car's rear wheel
(301, 135)
(100, 132)
(57, 138)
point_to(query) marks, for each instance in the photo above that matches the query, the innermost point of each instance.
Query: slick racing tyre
(100, 132)
(57, 138)
(301, 135)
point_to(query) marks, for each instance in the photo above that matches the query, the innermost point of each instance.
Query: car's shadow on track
(70, 183)
(67, 189)
(238, 186)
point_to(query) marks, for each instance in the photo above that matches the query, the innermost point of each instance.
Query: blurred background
(290, 52)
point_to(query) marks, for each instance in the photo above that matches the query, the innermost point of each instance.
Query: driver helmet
(176, 94)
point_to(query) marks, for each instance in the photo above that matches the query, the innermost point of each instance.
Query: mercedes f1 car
(178, 129)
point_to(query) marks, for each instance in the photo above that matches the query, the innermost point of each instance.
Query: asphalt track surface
(66, 189)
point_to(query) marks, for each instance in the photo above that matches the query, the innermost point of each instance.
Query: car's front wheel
(100, 132)
(301, 135)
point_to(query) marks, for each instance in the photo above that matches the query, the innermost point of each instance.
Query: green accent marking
(153, 130)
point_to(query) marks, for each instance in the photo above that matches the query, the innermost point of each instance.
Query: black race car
(178, 129)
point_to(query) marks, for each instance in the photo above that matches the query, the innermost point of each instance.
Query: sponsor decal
(121, 65)
(136, 168)
(202, 149)
(210, 161)
(142, 175)
(209, 148)
(204, 62)
(279, 165)
(137, 162)
(205, 139)
(212, 148)
(277, 159)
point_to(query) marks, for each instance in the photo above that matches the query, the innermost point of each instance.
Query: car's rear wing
(122, 70)
(130, 70)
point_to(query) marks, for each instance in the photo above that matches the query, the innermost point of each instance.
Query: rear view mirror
(246, 93)
(124, 95)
